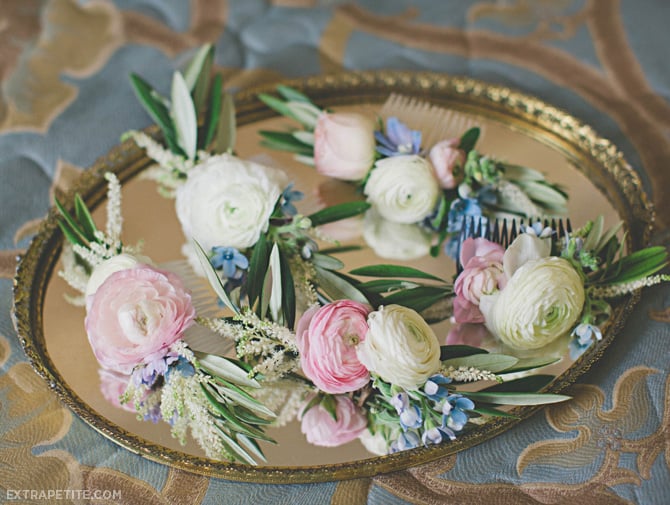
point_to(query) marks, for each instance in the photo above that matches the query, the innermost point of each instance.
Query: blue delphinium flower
(288, 197)
(181, 366)
(460, 208)
(434, 387)
(410, 415)
(537, 229)
(398, 140)
(436, 435)
(584, 334)
(453, 411)
(154, 414)
(149, 373)
(230, 260)
(406, 440)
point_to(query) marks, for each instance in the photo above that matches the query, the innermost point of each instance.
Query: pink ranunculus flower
(482, 275)
(344, 145)
(327, 338)
(445, 156)
(321, 429)
(112, 386)
(135, 315)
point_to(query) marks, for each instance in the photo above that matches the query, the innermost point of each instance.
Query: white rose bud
(227, 201)
(400, 347)
(540, 303)
(403, 188)
(109, 266)
(397, 241)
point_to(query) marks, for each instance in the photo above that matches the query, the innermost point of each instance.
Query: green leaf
(491, 362)
(305, 113)
(291, 94)
(419, 298)
(521, 173)
(459, 351)
(330, 405)
(276, 279)
(183, 116)
(75, 230)
(288, 298)
(469, 139)
(340, 249)
(197, 64)
(70, 235)
(258, 267)
(517, 398)
(327, 262)
(609, 235)
(393, 271)
(592, 239)
(157, 110)
(213, 278)
(252, 446)
(637, 265)
(198, 75)
(532, 383)
(439, 221)
(337, 288)
(490, 411)
(249, 417)
(232, 422)
(531, 363)
(214, 112)
(84, 218)
(226, 133)
(220, 366)
(386, 285)
(243, 398)
(275, 104)
(338, 212)
(316, 399)
(233, 446)
(304, 137)
(285, 142)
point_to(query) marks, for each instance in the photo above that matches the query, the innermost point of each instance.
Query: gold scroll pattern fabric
(613, 438)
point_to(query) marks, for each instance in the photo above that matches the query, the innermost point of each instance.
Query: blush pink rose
(112, 386)
(445, 156)
(482, 275)
(135, 315)
(344, 145)
(327, 338)
(321, 429)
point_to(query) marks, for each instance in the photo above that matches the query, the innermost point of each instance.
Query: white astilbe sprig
(269, 346)
(625, 288)
(171, 169)
(74, 274)
(469, 374)
(114, 216)
(184, 404)
(284, 397)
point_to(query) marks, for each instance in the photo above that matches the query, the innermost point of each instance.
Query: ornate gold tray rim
(580, 143)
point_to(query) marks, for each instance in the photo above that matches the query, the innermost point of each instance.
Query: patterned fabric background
(65, 100)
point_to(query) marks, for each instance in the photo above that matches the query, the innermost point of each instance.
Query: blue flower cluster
(398, 140)
(436, 416)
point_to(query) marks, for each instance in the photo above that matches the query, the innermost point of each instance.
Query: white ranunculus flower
(403, 189)
(400, 347)
(397, 241)
(227, 201)
(376, 444)
(109, 266)
(540, 303)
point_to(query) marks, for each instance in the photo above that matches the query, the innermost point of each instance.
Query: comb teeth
(435, 123)
(503, 231)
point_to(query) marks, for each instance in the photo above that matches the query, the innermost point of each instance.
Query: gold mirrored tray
(517, 128)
